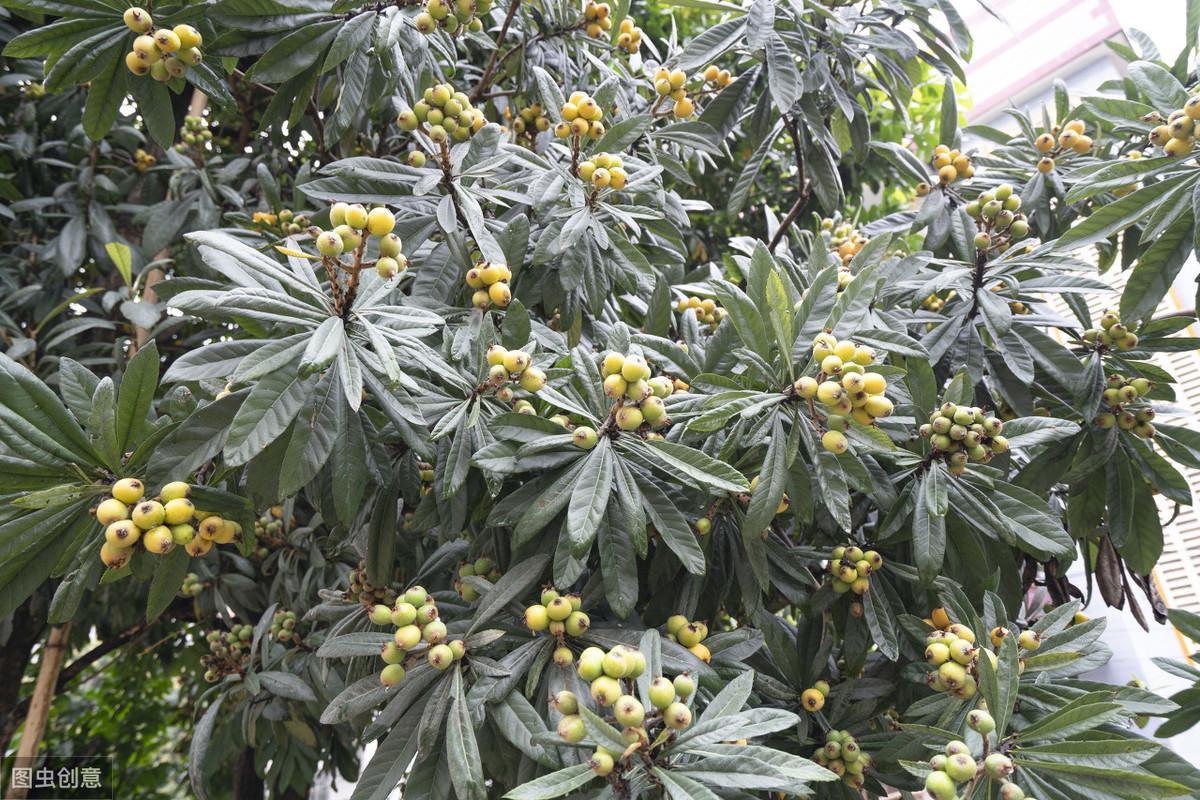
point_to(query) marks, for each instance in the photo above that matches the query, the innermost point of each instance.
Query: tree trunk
(43, 695)
(246, 783)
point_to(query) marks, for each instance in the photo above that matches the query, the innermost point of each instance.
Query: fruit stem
(352, 285)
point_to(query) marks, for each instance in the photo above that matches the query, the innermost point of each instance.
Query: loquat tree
(586, 400)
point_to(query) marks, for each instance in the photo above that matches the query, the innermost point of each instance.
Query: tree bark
(246, 783)
(43, 695)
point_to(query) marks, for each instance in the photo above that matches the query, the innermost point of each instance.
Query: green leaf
(198, 750)
(1158, 85)
(294, 53)
(742, 725)
(1116, 216)
(353, 36)
(999, 684)
(680, 787)
(948, 121)
(1123, 783)
(772, 482)
(122, 258)
(105, 95)
(731, 698)
(286, 685)
(706, 47)
(929, 536)
(589, 498)
(1157, 269)
(462, 751)
(678, 459)
(1081, 714)
(39, 416)
(783, 78)
(265, 414)
(326, 342)
(138, 385)
(102, 424)
(556, 784)
(673, 527)
(168, 577)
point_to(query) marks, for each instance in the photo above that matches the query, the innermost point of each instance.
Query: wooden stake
(43, 695)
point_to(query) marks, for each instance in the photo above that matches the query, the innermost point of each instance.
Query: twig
(486, 77)
(805, 188)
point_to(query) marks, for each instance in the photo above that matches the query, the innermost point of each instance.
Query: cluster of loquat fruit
(350, 222)
(1112, 333)
(1071, 138)
(597, 19)
(482, 567)
(844, 387)
(673, 84)
(1015, 306)
(463, 14)
(689, 634)
(560, 615)
(444, 113)
(718, 77)
(605, 672)
(629, 36)
(936, 302)
(285, 223)
(844, 241)
(490, 282)
(1178, 133)
(530, 121)
(604, 171)
(268, 528)
(191, 586)
(955, 766)
(951, 166)
(954, 657)
(194, 134)
(159, 523)
(283, 627)
(952, 652)
(843, 756)
(1121, 397)
(229, 652)
(813, 698)
(706, 310)
(512, 365)
(362, 590)
(851, 568)
(964, 434)
(997, 216)
(414, 615)
(142, 160)
(426, 474)
(581, 116)
(639, 397)
(161, 53)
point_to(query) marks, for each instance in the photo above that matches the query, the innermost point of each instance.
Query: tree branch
(486, 77)
(805, 190)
